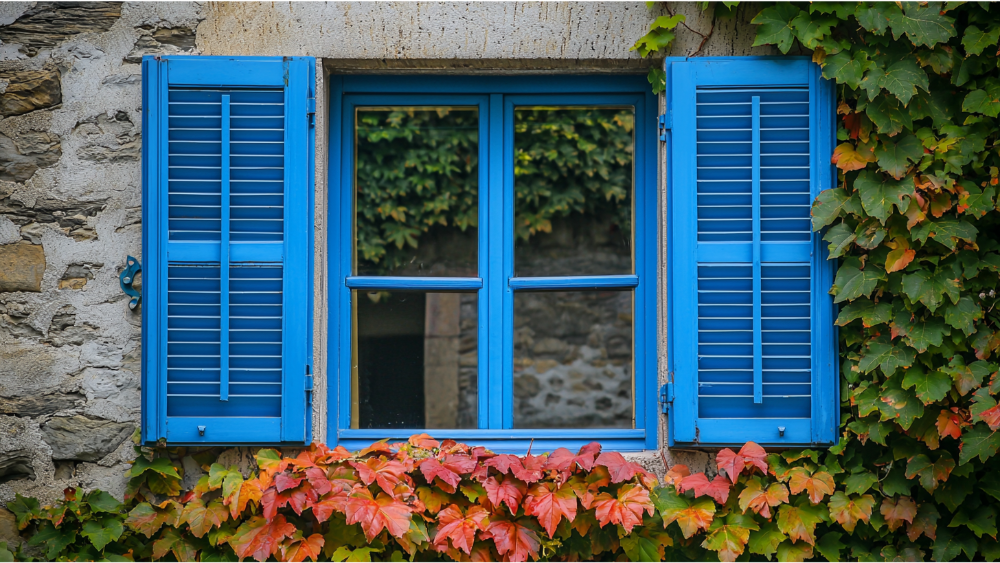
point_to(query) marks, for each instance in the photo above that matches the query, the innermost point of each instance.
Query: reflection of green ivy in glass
(417, 169)
(571, 161)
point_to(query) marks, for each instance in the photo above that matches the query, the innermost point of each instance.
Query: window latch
(311, 110)
(665, 123)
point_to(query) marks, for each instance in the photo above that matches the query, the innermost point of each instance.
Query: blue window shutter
(753, 346)
(227, 249)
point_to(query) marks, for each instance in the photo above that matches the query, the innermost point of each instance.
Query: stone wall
(70, 181)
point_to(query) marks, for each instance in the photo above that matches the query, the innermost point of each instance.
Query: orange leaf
(550, 504)
(754, 455)
(386, 472)
(940, 203)
(848, 158)
(512, 539)
(201, 518)
(898, 511)
(530, 468)
(377, 514)
(460, 528)
(676, 474)
(817, 485)
(718, 488)
(260, 539)
(849, 510)
(991, 417)
(626, 510)
(759, 499)
(334, 501)
(424, 441)
(449, 471)
(310, 547)
(508, 490)
(949, 424)
(901, 255)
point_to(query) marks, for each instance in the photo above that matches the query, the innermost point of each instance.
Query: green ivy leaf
(869, 312)
(830, 546)
(963, 315)
(974, 201)
(984, 100)
(869, 234)
(900, 405)
(101, 533)
(894, 158)
(875, 16)
(950, 545)
(930, 386)
(923, 25)
(884, 354)
(638, 548)
(979, 442)
(847, 67)
(858, 483)
(921, 334)
(101, 501)
(160, 465)
(776, 26)
(947, 231)
(830, 204)
(790, 551)
(990, 484)
(930, 473)
(766, 540)
(975, 40)
(982, 521)
(880, 194)
(903, 78)
(840, 237)
(852, 282)
(930, 288)
(885, 111)
(810, 30)
(53, 539)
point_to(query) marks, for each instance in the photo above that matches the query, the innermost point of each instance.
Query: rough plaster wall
(70, 349)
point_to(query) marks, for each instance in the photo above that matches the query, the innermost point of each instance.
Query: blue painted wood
(224, 252)
(574, 282)
(227, 239)
(751, 327)
(520, 446)
(758, 360)
(416, 284)
(496, 98)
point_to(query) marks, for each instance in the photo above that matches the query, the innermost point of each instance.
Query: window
(227, 245)
(752, 342)
(494, 266)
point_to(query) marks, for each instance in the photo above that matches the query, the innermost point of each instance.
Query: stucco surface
(70, 346)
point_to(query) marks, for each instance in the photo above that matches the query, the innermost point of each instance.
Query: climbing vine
(915, 228)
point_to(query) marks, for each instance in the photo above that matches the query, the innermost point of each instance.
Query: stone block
(16, 464)
(39, 405)
(84, 439)
(47, 24)
(8, 529)
(21, 267)
(30, 90)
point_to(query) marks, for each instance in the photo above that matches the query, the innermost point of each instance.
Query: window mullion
(494, 266)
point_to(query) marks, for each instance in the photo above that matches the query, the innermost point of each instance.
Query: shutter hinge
(666, 122)
(311, 110)
(309, 387)
(666, 397)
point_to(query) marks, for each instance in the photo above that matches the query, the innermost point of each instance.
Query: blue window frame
(227, 201)
(752, 336)
(495, 99)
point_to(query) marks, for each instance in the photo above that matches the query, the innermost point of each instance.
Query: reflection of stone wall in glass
(450, 361)
(573, 359)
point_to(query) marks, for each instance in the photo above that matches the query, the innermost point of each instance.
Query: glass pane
(414, 360)
(416, 204)
(573, 359)
(573, 191)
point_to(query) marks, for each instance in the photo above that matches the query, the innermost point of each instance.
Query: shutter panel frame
(765, 78)
(264, 326)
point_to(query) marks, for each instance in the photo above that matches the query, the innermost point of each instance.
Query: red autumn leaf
(460, 527)
(559, 460)
(423, 441)
(949, 424)
(760, 500)
(754, 455)
(377, 447)
(377, 514)
(503, 463)
(564, 461)
(249, 491)
(310, 547)
(529, 469)
(516, 541)
(619, 468)
(730, 463)
(508, 490)
(268, 460)
(334, 501)
(386, 472)
(302, 498)
(898, 511)
(317, 478)
(549, 504)
(201, 517)
(852, 122)
(676, 474)
(449, 470)
(284, 481)
(260, 539)
(626, 510)
(718, 488)
(991, 417)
